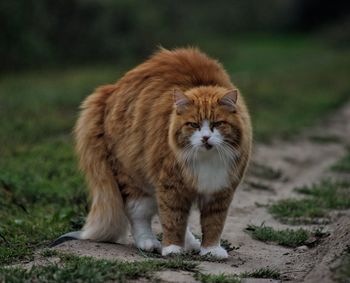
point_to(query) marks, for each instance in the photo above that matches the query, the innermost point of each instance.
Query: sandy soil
(301, 161)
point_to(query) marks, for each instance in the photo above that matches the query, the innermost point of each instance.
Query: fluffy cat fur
(171, 132)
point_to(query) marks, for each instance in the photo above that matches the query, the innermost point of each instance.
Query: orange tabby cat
(172, 132)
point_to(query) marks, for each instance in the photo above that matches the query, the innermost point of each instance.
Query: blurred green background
(290, 59)
(41, 33)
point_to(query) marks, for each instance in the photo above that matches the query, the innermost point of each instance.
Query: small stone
(302, 249)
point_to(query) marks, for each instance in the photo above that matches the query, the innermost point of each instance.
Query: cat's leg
(174, 204)
(191, 242)
(213, 211)
(140, 212)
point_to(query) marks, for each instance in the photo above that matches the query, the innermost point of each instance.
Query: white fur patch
(215, 251)
(172, 249)
(212, 173)
(213, 166)
(140, 214)
(191, 243)
(148, 243)
(109, 224)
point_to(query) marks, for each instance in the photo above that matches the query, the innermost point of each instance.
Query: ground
(298, 178)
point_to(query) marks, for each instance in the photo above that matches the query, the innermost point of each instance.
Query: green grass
(42, 194)
(264, 272)
(71, 268)
(319, 199)
(289, 83)
(86, 269)
(296, 210)
(343, 165)
(219, 278)
(286, 237)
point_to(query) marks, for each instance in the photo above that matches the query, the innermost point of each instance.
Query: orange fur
(130, 137)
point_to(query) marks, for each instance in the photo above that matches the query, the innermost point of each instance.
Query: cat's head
(206, 119)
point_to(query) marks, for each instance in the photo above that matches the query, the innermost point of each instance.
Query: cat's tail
(107, 220)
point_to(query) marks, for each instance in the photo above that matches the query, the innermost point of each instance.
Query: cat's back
(149, 86)
(185, 68)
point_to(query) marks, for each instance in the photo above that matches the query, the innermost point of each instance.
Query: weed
(231, 278)
(219, 278)
(343, 165)
(320, 198)
(265, 272)
(189, 256)
(294, 211)
(329, 194)
(86, 269)
(49, 253)
(286, 237)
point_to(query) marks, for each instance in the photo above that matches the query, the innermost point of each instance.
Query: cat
(171, 133)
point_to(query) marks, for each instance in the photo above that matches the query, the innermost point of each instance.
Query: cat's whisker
(234, 150)
(230, 155)
(218, 147)
(221, 153)
(232, 144)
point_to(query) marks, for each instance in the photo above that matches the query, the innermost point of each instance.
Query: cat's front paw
(149, 244)
(171, 250)
(215, 251)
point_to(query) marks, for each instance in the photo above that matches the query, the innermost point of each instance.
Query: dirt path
(301, 161)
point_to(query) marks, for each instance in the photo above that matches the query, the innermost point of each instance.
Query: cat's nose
(205, 139)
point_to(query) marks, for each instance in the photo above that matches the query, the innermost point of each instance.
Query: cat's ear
(229, 100)
(181, 101)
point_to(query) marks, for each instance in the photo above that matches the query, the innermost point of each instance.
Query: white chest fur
(211, 171)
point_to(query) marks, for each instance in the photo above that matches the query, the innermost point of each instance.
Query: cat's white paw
(191, 243)
(215, 251)
(172, 249)
(148, 244)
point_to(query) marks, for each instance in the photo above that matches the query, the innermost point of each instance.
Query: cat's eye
(193, 125)
(218, 123)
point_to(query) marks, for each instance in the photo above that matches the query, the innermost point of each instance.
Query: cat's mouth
(207, 146)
